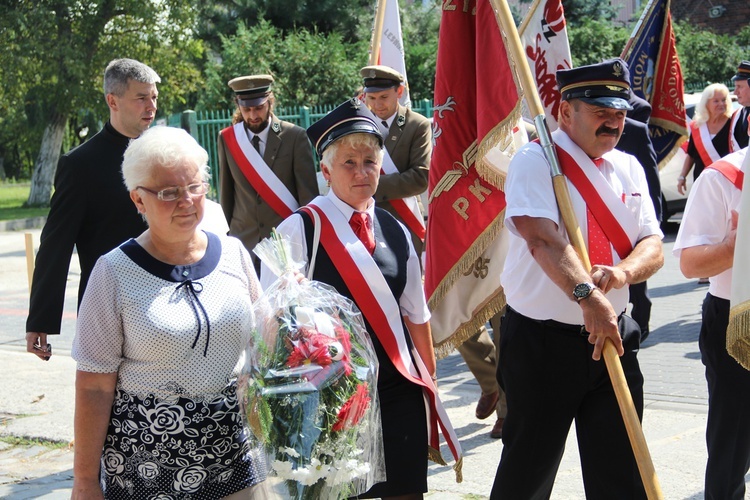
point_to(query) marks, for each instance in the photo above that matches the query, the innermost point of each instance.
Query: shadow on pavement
(53, 486)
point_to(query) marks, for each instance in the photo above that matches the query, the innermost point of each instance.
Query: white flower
(114, 462)
(282, 469)
(148, 470)
(290, 451)
(165, 419)
(222, 446)
(318, 470)
(189, 479)
(346, 471)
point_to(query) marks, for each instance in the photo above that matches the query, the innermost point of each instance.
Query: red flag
(477, 105)
(667, 99)
(656, 76)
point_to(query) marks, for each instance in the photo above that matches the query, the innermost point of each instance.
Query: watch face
(583, 290)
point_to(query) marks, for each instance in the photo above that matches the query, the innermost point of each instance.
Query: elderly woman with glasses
(160, 335)
(368, 256)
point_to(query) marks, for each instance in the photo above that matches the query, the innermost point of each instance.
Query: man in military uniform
(408, 145)
(266, 168)
(741, 117)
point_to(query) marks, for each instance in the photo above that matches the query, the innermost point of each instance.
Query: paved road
(37, 398)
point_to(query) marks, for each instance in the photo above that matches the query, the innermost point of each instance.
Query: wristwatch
(583, 290)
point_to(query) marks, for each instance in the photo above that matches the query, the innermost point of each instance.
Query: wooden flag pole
(612, 360)
(377, 33)
(29, 257)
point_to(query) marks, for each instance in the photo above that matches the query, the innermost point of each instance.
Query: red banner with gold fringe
(477, 106)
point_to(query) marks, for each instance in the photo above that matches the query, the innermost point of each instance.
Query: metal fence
(205, 126)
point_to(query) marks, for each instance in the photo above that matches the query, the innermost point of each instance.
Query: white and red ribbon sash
(375, 299)
(618, 223)
(731, 167)
(702, 140)
(257, 172)
(407, 208)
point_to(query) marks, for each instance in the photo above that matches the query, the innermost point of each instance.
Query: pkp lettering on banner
(461, 205)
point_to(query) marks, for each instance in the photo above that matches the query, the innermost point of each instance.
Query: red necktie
(600, 251)
(360, 224)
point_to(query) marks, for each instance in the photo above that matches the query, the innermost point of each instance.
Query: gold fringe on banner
(738, 334)
(501, 135)
(477, 248)
(485, 311)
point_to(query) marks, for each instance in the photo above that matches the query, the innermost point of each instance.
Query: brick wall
(734, 18)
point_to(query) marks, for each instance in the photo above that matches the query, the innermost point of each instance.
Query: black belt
(566, 327)
(557, 325)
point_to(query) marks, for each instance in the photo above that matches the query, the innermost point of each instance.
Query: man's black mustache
(606, 130)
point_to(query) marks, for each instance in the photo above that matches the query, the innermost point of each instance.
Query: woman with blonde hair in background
(709, 132)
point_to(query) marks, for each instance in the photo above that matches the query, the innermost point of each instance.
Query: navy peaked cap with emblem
(606, 84)
(252, 90)
(743, 71)
(349, 117)
(378, 78)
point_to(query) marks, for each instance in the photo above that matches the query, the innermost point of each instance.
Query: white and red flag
(477, 107)
(544, 37)
(391, 52)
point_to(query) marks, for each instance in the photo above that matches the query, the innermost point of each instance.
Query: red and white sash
(702, 140)
(407, 208)
(375, 299)
(731, 167)
(616, 220)
(257, 172)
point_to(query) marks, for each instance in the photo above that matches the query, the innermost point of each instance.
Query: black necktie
(385, 124)
(256, 143)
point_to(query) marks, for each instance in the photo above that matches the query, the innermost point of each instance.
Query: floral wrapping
(309, 390)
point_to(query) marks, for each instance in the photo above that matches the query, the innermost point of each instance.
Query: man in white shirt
(705, 247)
(559, 314)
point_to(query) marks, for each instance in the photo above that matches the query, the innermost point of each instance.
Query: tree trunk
(46, 163)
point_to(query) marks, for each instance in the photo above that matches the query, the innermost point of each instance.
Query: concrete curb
(21, 224)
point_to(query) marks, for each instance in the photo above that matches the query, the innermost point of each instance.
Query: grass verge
(12, 198)
(24, 441)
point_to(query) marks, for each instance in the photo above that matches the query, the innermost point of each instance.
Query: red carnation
(353, 410)
(344, 339)
(306, 353)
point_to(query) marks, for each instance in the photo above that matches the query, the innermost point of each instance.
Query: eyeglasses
(175, 193)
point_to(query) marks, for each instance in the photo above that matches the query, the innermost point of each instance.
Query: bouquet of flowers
(309, 390)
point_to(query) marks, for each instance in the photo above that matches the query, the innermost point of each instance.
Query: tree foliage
(594, 40)
(576, 11)
(223, 17)
(420, 25)
(706, 56)
(309, 68)
(55, 51)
